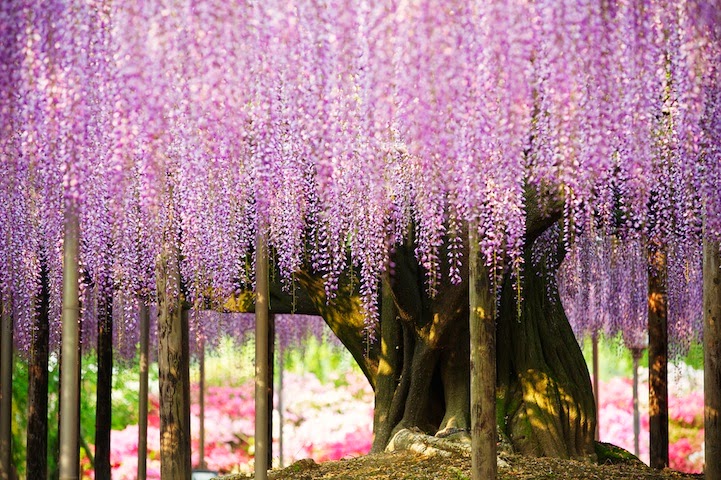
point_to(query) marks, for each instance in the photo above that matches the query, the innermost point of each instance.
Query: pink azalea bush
(686, 432)
(323, 421)
(333, 419)
(327, 424)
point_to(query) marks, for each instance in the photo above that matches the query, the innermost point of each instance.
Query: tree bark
(103, 412)
(658, 363)
(544, 396)
(261, 360)
(37, 439)
(545, 393)
(482, 303)
(70, 379)
(420, 368)
(712, 357)
(6, 390)
(173, 365)
(596, 392)
(201, 401)
(384, 418)
(271, 375)
(636, 354)
(143, 400)
(281, 407)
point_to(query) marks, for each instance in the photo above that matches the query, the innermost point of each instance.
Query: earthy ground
(411, 466)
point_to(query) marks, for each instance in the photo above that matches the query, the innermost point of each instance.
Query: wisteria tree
(394, 156)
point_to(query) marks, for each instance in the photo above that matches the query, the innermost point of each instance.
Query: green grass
(615, 360)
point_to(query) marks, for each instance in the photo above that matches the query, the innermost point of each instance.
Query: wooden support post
(144, 317)
(69, 461)
(483, 366)
(261, 359)
(712, 357)
(281, 415)
(596, 396)
(271, 379)
(173, 365)
(658, 362)
(636, 355)
(201, 401)
(37, 439)
(6, 390)
(103, 411)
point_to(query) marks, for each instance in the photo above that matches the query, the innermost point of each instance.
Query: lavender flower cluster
(334, 127)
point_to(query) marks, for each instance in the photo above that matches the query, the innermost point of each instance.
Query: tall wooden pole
(658, 362)
(636, 355)
(6, 390)
(281, 416)
(143, 401)
(712, 357)
(271, 379)
(201, 401)
(596, 393)
(261, 359)
(173, 363)
(37, 437)
(483, 366)
(103, 410)
(69, 462)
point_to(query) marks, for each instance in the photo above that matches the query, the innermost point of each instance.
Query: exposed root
(457, 443)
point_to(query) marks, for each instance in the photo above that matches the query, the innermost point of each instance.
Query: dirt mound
(413, 466)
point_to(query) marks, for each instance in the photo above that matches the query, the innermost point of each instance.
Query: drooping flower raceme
(339, 129)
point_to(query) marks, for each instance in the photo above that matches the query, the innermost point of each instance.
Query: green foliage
(694, 357)
(126, 392)
(125, 399)
(615, 359)
(231, 365)
(322, 359)
(228, 365)
(19, 414)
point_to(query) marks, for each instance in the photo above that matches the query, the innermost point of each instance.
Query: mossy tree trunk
(546, 404)
(419, 367)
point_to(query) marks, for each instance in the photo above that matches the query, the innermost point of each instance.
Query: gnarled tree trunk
(419, 367)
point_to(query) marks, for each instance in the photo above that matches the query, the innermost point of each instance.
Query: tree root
(458, 443)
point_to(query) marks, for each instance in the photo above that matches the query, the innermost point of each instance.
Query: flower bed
(323, 421)
(685, 406)
(333, 420)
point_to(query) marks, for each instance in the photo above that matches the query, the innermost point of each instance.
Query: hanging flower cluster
(338, 129)
(603, 284)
